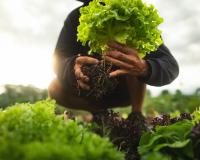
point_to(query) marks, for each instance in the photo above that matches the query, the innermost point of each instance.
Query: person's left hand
(127, 60)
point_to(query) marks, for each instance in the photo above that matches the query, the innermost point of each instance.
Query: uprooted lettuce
(130, 22)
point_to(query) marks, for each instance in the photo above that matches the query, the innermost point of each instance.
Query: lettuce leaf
(34, 132)
(196, 116)
(173, 140)
(130, 22)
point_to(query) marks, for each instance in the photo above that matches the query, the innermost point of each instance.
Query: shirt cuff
(151, 78)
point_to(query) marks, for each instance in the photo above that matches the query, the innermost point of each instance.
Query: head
(85, 1)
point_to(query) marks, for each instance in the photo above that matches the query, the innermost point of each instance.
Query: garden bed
(33, 131)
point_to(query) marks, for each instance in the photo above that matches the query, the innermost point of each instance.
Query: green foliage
(178, 141)
(33, 131)
(171, 142)
(155, 156)
(130, 22)
(196, 116)
(20, 94)
(168, 102)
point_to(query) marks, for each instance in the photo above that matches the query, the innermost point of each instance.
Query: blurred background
(29, 31)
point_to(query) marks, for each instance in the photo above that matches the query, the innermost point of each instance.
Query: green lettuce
(172, 141)
(130, 22)
(34, 132)
(196, 116)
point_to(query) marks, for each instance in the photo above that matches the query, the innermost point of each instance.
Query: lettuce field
(34, 131)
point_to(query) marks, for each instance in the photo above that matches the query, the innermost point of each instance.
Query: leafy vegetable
(195, 135)
(196, 116)
(155, 156)
(173, 141)
(130, 22)
(33, 131)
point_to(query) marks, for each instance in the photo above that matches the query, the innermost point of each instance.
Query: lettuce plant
(33, 131)
(130, 22)
(172, 139)
(170, 142)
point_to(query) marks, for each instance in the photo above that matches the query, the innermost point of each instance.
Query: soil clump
(100, 82)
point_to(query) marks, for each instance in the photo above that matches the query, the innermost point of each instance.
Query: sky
(29, 31)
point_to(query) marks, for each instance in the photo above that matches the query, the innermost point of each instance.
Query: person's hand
(82, 79)
(127, 60)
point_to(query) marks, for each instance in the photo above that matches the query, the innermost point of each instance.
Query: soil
(100, 82)
(124, 133)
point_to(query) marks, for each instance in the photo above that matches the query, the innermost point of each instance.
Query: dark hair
(84, 1)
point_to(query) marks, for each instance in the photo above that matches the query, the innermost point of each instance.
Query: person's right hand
(82, 79)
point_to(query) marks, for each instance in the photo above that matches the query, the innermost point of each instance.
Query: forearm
(137, 90)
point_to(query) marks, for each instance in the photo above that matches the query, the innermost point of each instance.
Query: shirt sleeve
(65, 54)
(163, 67)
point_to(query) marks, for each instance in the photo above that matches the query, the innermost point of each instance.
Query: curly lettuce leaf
(130, 22)
(34, 132)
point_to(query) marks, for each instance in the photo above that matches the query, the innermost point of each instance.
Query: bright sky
(29, 31)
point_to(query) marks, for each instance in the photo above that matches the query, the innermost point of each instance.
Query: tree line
(165, 102)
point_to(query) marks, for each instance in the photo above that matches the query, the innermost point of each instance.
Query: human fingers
(132, 60)
(79, 74)
(116, 62)
(124, 72)
(86, 60)
(118, 72)
(83, 85)
(122, 48)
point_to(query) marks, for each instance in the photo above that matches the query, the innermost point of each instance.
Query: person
(157, 68)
